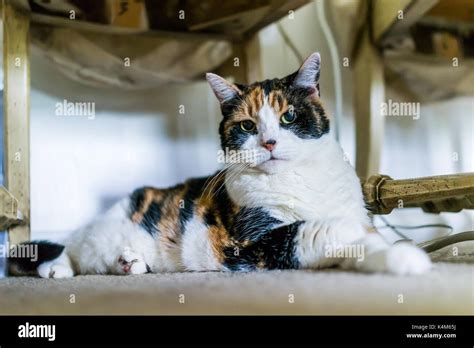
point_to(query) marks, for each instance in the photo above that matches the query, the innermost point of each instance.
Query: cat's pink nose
(269, 144)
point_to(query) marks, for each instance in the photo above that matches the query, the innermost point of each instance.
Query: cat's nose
(269, 144)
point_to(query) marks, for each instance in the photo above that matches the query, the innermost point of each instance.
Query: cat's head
(273, 121)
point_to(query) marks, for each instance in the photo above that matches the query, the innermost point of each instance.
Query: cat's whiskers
(235, 167)
(239, 168)
(216, 179)
(234, 175)
(210, 183)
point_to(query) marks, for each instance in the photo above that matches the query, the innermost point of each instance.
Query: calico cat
(287, 204)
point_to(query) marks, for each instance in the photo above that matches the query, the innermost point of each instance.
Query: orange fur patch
(168, 225)
(278, 102)
(252, 104)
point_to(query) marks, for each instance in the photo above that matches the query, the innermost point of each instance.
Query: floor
(447, 289)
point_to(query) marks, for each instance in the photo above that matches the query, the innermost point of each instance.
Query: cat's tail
(27, 258)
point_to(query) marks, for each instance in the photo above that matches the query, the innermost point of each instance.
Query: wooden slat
(16, 67)
(9, 213)
(368, 98)
(253, 60)
(249, 68)
(280, 8)
(3, 260)
(116, 30)
(443, 193)
(205, 14)
(237, 24)
(211, 19)
(385, 16)
(456, 10)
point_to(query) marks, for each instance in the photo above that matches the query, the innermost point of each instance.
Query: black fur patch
(210, 218)
(236, 138)
(223, 206)
(136, 199)
(311, 120)
(252, 224)
(270, 85)
(46, 251)
(152, 216)
(273, 250)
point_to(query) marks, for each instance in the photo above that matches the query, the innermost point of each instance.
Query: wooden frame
(386, 22)
(382, 22)
(368, 98)
(16, 67)
(434, 194)
(245, 63)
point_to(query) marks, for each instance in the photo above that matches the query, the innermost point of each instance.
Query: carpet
(447, 289)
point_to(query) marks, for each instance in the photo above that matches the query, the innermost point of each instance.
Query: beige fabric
(448, 289)
(428, 78)
(127, 62)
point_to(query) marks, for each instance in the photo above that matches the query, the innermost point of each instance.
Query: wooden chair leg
(245, 63)
(253, 62)
(3, 261)
(16, 66)
(369, 95)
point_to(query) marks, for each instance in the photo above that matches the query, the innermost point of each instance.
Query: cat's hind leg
(57, 268)
(43, 258)
(130, 262)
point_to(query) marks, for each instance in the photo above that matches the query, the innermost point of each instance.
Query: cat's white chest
(299, 194)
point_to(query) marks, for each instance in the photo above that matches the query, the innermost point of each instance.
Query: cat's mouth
(271, 164)
(268, 159)
(273, 159)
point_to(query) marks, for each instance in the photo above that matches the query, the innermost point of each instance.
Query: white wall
(412, 148)
(81, 166)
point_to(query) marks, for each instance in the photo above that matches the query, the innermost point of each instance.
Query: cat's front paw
(406, 259)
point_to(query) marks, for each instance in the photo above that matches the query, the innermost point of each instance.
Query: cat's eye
(247, 126)
(288, 117)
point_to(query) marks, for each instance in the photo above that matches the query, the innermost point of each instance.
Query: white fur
(309, 72)
(98, 248)
(316, 235)
(401, 258)
(268, 126)
(223, 90)
(197, 252)
(57, 268)
(311, 181)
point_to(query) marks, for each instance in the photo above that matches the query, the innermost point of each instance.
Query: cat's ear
(223, 89)
(308, 74)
